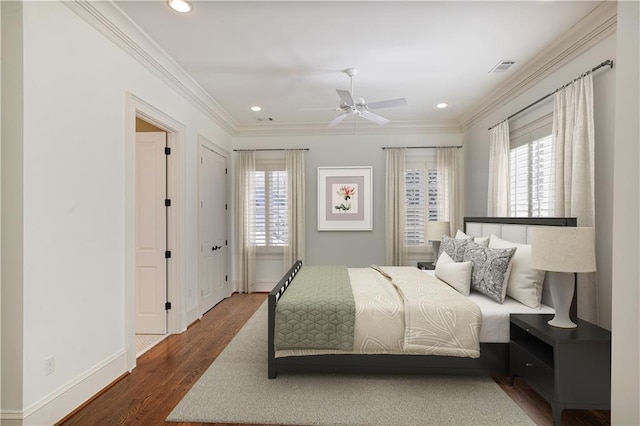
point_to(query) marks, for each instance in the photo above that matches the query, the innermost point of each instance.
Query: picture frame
(345, 198)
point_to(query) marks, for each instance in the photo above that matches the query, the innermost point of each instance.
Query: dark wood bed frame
(493, 360)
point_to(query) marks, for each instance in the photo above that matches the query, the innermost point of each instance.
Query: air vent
(502, 66)
(264, 118)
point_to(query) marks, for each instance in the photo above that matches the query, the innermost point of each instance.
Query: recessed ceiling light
(442, 105)
(255, 108)
(182, 6)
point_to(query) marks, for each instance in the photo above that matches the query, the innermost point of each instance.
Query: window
(421, 181)
(272, 228)
(532, 177)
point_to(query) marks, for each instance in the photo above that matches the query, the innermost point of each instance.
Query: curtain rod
(608, 62)
(421, 147)
(272, 149)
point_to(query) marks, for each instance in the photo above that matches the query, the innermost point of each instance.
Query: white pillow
(483, 241)
(456, 274)
(525, 283)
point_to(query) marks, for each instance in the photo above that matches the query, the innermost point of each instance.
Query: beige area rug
(235, 389)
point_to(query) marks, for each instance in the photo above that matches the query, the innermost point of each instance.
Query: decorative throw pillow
(491, 267)
(453, 247)
(483, 241)
(456, 274)
(525, 283)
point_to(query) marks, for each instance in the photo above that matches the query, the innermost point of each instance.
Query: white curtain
(296, 205)
(498, 194)
(245, 213)
(395, 199)
(574, 138)
(448, 204)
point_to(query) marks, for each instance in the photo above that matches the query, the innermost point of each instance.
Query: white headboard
(518, 230)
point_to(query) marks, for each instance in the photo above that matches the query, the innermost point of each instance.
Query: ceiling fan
(351, 106)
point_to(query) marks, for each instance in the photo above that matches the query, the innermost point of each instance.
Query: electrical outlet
(49, 365)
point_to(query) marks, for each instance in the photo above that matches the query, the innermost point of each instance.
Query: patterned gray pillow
(454, 247)
(490, 272)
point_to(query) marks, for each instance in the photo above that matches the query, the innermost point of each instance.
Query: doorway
(175, 273)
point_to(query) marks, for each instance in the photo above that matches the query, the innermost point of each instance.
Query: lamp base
(562, 295)
(436, 249)
(562, 323)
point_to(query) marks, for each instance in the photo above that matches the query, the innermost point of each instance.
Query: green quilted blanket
(317, 311)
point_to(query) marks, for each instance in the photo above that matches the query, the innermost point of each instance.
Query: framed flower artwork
(345, 198)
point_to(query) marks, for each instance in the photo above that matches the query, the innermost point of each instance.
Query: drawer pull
(528, 364)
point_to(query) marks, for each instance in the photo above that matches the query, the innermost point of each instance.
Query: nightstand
(429, 266)
(570, 368)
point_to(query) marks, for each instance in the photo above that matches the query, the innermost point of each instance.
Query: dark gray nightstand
(426, 266)
(570, 368)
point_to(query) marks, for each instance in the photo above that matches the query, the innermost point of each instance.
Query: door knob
(214, 248)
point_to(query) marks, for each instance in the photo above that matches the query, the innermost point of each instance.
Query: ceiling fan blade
(339, 119)
(345, 96)
(374, 117)
(391, 103)
(321, 109)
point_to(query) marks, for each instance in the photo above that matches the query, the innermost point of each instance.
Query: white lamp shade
(436, 229)
(563, 249)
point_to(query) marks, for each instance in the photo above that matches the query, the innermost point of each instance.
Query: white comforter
(414, 315)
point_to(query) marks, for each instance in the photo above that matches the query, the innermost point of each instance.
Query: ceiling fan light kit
(351, 106)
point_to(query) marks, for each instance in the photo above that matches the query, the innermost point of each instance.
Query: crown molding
(588, 32)
(112, 22)
(361, 128)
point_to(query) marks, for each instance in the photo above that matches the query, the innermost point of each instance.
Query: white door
(151, 233)
(212, 282)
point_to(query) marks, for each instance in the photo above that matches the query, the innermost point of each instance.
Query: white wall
(75, 85)
(625, 392)
(476, 141)
(11, 228)
(0, 202)
(357, 248)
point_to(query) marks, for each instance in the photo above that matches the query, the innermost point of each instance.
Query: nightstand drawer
(534, 370)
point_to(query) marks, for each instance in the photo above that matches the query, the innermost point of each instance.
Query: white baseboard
(11, 418)
(67, 398)
(192, 315)
(264, 287)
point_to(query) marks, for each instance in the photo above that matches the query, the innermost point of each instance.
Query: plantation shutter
(433, 195)
(416, 206)
(260, 234)
(278, 209)
(532, 179)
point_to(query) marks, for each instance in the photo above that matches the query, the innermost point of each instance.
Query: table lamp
(434, 232)
(563, 249)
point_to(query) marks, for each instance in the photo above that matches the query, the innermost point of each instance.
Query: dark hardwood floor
(165, 373)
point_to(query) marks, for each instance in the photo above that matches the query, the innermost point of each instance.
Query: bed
(492, 358)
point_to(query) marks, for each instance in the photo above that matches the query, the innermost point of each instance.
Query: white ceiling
(287, 56)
